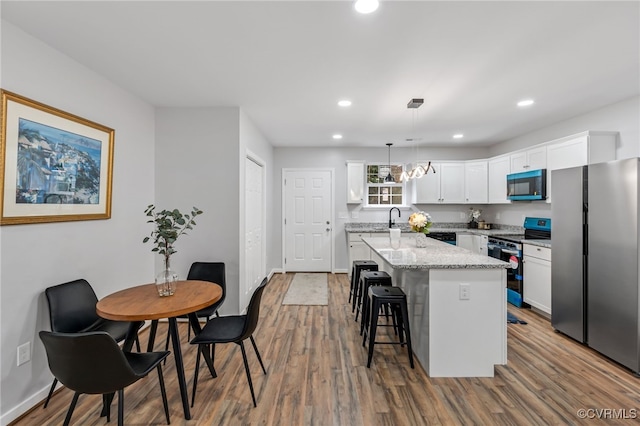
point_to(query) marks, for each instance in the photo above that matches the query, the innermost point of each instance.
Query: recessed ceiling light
(458, 136)
(344, 103)
(525, 102)
(337, 136)
(366, 6)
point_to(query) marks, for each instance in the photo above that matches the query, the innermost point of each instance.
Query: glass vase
(421, 240)
(166, 281)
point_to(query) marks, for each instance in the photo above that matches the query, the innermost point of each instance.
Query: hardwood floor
(317, 375)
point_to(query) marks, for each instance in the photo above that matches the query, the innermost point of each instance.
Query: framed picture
(54, 166)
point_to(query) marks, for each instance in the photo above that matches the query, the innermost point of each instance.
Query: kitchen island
(457, 304)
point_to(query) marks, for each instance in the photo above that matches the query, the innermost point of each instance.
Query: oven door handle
(514, 252)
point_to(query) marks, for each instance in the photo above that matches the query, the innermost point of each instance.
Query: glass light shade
(389, 180)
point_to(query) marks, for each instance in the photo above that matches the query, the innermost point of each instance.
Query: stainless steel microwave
(530, 185)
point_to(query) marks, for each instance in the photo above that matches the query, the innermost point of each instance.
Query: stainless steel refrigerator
(595, 257)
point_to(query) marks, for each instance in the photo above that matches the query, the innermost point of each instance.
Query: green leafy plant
(169, 225)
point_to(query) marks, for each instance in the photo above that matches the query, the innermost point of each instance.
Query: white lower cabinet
(358, 250)
(537, 277)
(475, 243)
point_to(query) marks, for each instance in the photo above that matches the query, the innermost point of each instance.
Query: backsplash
(498, 215)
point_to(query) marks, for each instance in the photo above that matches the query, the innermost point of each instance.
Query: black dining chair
(231, 329)
(206, 271)
(93, 363)
(72, 309)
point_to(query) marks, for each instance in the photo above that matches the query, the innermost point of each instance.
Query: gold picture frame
(54, 166)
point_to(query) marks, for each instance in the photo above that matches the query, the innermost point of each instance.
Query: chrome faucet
(392, 222)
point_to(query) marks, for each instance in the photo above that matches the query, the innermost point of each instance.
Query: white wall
(336, 158)
(108, 253)
(197, 151)
(623, 117)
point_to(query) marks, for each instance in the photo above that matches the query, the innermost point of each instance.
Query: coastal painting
(56, 166)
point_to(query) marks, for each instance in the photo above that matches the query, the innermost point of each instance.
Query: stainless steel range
(508, 248)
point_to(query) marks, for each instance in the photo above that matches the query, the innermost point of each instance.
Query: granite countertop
(539, 243)
(437, 255)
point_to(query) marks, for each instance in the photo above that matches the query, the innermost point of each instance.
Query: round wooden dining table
(142, 303)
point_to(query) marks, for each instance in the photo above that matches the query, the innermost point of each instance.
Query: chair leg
(195, 374)
(246, 369)
(407, 331)
(375, 308)
(106, 405)
(164, 393)
(74, 401)
(53, 388)
(253, 342)
(121, 407)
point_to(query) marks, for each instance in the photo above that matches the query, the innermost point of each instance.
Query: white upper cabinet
(446, 185)
(499, 168)
(476, 182)
(579, 150)
(427, 188)
(355, 182)
(452, 183)
(530, 159)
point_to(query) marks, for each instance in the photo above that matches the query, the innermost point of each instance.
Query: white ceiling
(286, 64)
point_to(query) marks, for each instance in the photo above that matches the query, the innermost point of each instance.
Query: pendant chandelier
(415, 170)
(389, 180)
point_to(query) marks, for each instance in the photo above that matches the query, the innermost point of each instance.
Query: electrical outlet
(465, 291)
(497, 216)
(343, 215)
(354, 215)
(462, 215)
(24, 353)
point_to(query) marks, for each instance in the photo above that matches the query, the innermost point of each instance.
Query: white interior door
(308, 215)
(254, 228)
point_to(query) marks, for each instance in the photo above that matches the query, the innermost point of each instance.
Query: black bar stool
(395, 297)
(369, 278)
(358, 267)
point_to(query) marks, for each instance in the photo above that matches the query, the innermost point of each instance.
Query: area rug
(307, 289)
(512, 319)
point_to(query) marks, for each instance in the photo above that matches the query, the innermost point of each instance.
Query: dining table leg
(152, 335)
(177, 354)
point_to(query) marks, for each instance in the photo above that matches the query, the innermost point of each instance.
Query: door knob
(327, 222)
(328, 229)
